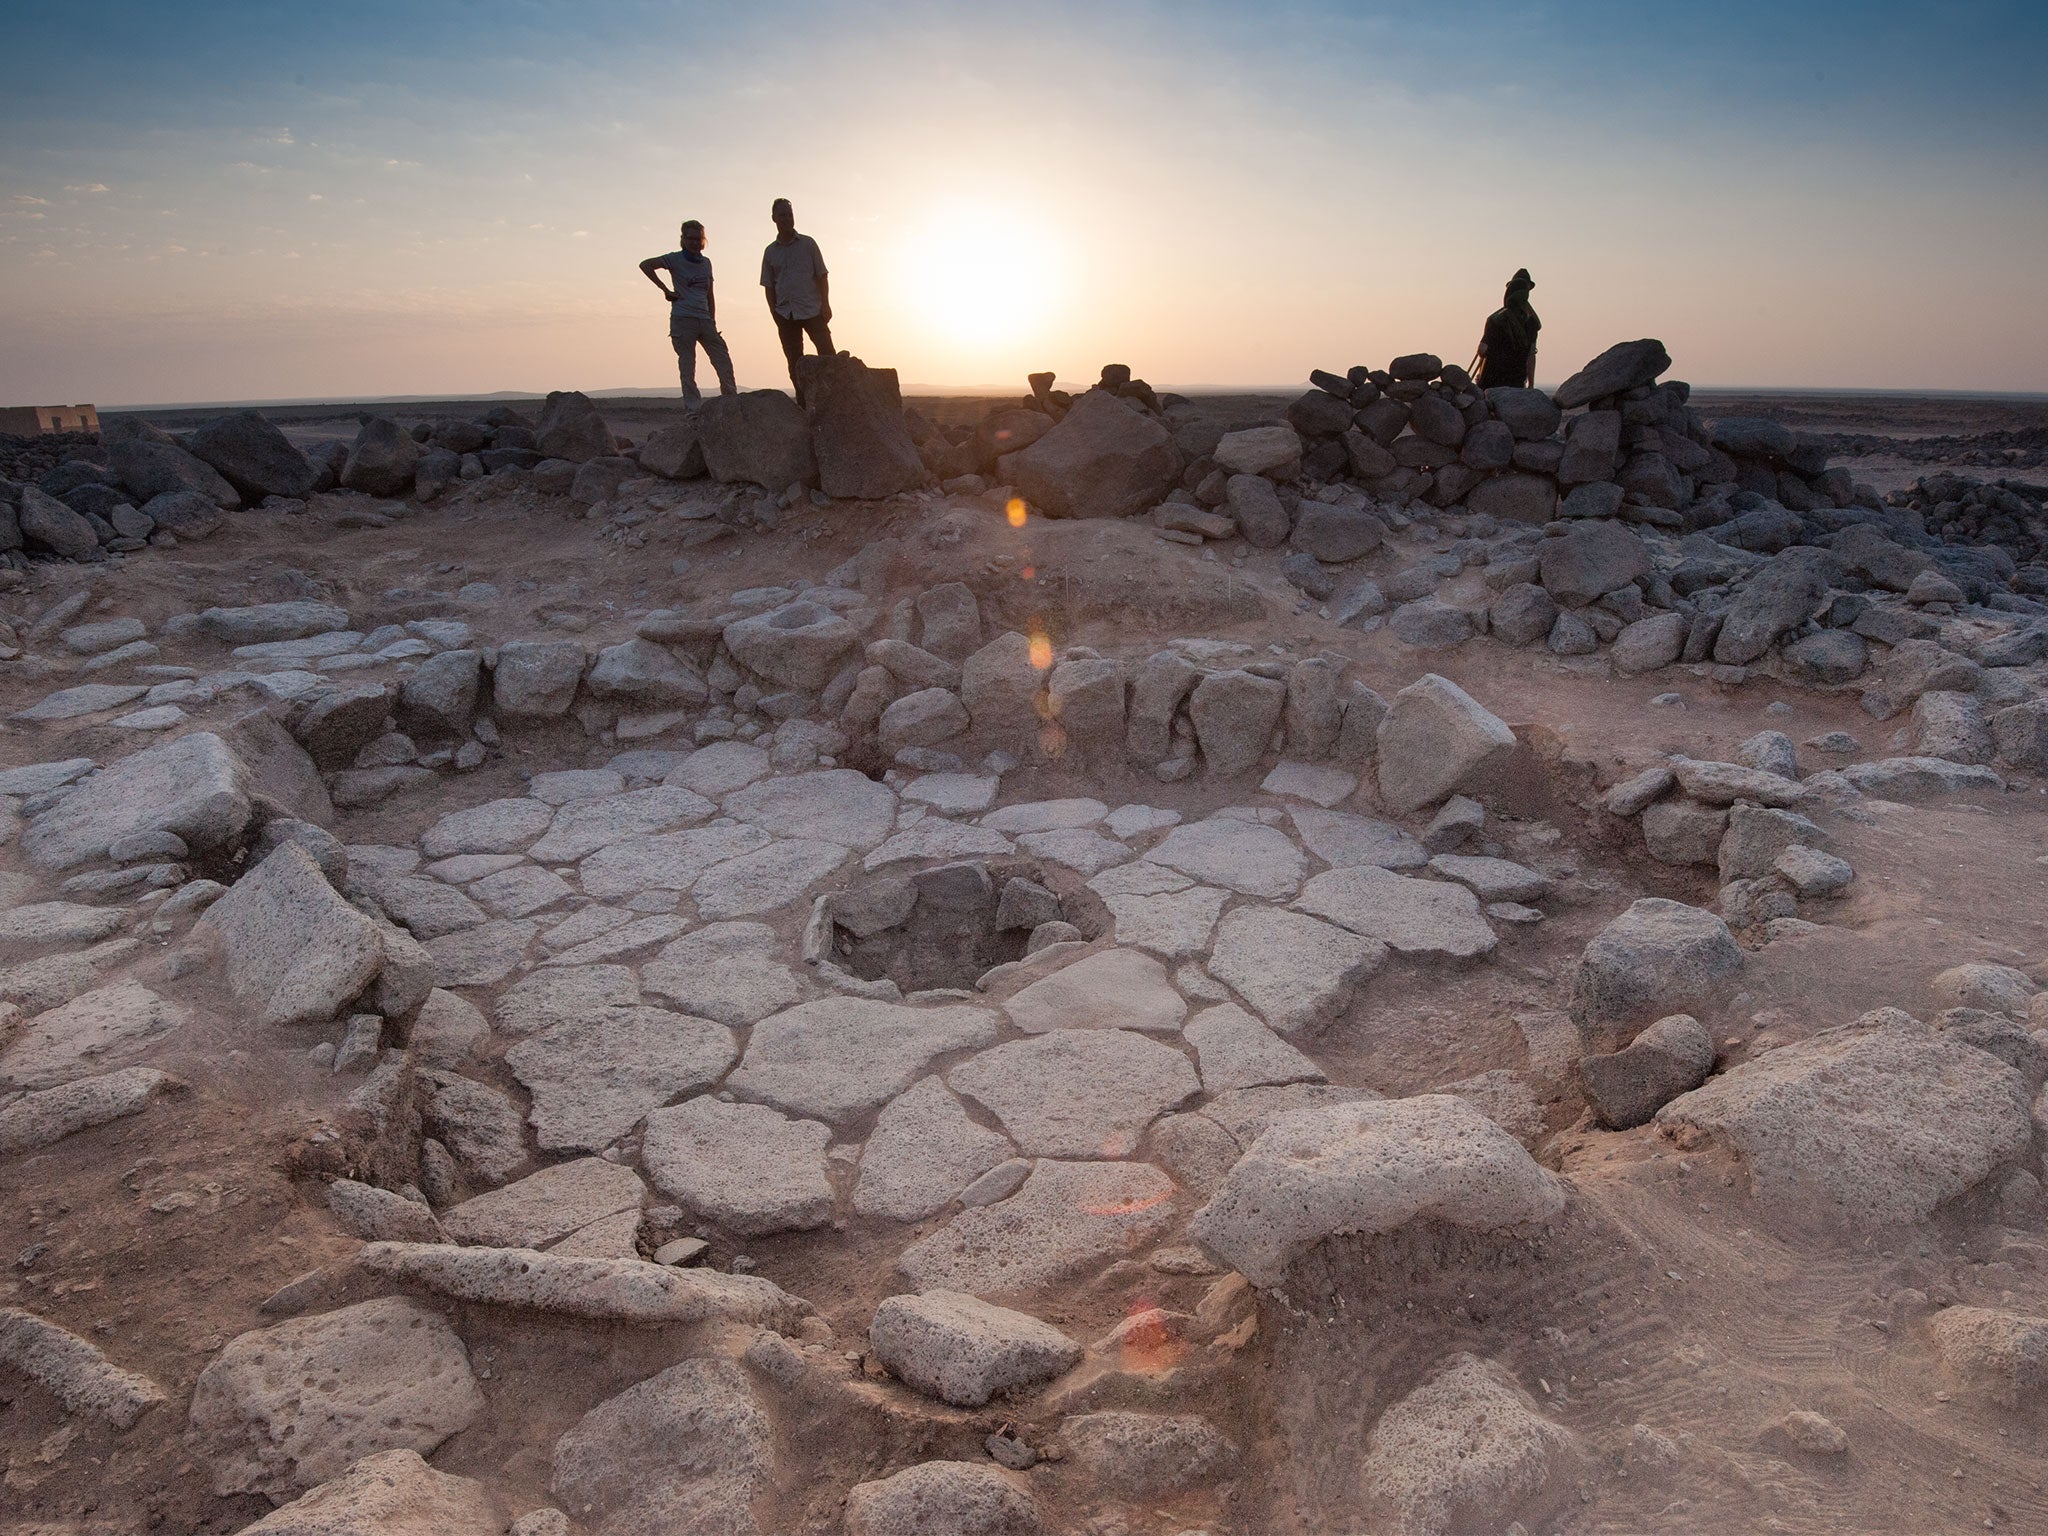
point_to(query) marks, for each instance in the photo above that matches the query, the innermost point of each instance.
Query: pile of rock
(2009, 513)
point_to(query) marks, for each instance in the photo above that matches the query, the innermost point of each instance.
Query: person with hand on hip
(798, 290)
(692, 312)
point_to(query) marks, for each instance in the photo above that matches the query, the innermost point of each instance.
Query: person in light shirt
(692, 312)
(799, 292)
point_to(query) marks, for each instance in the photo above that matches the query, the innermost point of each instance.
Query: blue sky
(263, 201)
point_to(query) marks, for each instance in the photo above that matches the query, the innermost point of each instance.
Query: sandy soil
(1669, 1324)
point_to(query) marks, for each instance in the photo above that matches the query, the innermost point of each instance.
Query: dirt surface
(1669, 1320)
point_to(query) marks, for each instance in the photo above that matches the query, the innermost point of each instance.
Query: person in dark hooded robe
(1507, 349)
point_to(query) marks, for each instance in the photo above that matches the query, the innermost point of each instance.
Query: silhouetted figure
(692, 313)
(1507, 350)
(799, 295)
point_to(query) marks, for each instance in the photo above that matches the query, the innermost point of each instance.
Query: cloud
(31, 199)
(87, 186)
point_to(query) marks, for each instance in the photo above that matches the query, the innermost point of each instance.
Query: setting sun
(980, 277)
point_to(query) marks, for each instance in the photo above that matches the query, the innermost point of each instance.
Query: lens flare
(1016, 512)
(1041, 652)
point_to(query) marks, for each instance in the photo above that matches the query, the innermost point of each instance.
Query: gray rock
(74, 1371)
(193, 787)
(1105, 458)
(296, 952)
(537, 679)
(760, 437)
(1236, 1051)
(844, 1056)
(1919, 778)
(272, 621)
(1952, 726)
(390, 1493)
(151, 467)
(382, 459)
(643, 673)
(496, 826)
(863, 447)
(675, 451)
(1672, 1056)
(958, 1498)
(1234, 714)
(1427, 918)
(1342, 840)
(742, 1167)
(683, 1453)
(730, 972)
(1774, 600)
(377, 1215)
(798, 645)
(1683, 832)
(253, 456)
(1624, 366)
(1522, 614)
(923, 1152)
(1514, 498)
(1146, 1455)
(1872, 1125)
(1298, 974)
(1336, 534)
(1655, 959)
(1068, 1219)
(581, 827)
(605, 1289)
(1590, 560)
(1256, 505)
(546, 1206)
(1112, 989)
(1077, 1093)
(1435, 740)
(36, 1119)
(572, 428)
(1650, 643)
(282, 1408)
(964, 1351)
(594, 1077)
(1242, 856)
(1529, 413)
(1368, 1168)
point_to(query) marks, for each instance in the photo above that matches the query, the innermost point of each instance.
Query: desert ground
(1162, 982)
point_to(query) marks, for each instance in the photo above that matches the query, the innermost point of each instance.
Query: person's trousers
(792, 333)
(686, 336)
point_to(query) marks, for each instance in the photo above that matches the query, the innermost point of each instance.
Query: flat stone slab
(194, 787)
(832, 805)
(73, 1370)
(720, 768)
(85, 1036)
(1077, 1093)
(562, 995)
(923, 1151)
(496, 826)
(425, 908)
(37, 1119)
(1067, 1220)
(460, 869)
(1429, 918)
(390, 1492)
(1134, 820)
(583, 925)
(962, 1350)
(296, 952)
(767, 879)
(730, 972)
(937, 838)
(85, 699)
(1297, 973)
(595, 1077)
(1046, 815)
(742, 1167)
(618, 941)
(1080, 849)
(1115, 989)
(546, 1206)
(1344, 841)
(1242, 856)
(951, 794)
(608, 1290)
(477, 957)
(1317, 782)
(39, 924)
(1173, 924)
(582, 826)
(842, 1056)
(1491, 879)
(575, 784)
(41, 778)
(1919, 778)
(1368, 1168)
(520, 892)
(285, 1407)
(1237, 1051)
(671, 861)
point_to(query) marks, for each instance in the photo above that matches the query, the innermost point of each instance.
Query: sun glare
(980, 278)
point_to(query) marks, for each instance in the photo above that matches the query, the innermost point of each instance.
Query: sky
(243, 201)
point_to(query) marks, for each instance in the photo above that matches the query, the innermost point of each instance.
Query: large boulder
(285, 1407)
(296, 952)
(798, 645)
(149, 462)
(963, 1350)
(571, 428)
(1657, 958)
(193, 787)
(1529, 413)
(1274, 452)
(1369, 1168)
(863, 447)
(1590, 560)
(760, 438)
(49, 526)
(944, 1498)
(393, 1493)
(674, 451)
(1626, 1087)
(537, 678)
(382, 460)
(1773, 601)
(1515, 498)
(1875, 1124)
(1234, 714)
(1624, 366)
(1435, 740)
(1106, 458)
(253, 456)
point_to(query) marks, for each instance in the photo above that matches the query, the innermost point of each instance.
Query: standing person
(692, 313)
(799, 296)
(1507, 349)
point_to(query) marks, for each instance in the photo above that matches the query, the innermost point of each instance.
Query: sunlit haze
(241, 201)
